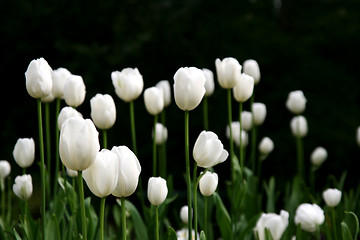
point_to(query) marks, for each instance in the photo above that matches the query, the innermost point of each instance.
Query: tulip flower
(5, 169)
(24, 152)
(243, 88)
(184, 216)
(332, 197)
(235, 128)
(208, 183)
(23, 187)
(74, 91)
(59, 76)
(276, 224)
(157, 190)
(154, 101)
(161, 133)
(246, 120)
(103, 111)
(49, 98)
(299, 126)
(296, 102)
(251, 68)
(318, 156)
(128, 84)
(259, 113)
(189, 87)
(71, 173)
(66, 113)
(208, 150)
(228, 72)
(164, 86)
(183, 234)
(266, 146)
(209, 83)
(38, 78)
(309, 216)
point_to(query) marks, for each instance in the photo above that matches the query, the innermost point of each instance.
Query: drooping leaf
(223, 218)
(345, 232)
(171, 234)
(52, 229)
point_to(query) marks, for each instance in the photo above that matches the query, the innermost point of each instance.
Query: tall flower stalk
(57, 157)
(82, 205)
(187, 165)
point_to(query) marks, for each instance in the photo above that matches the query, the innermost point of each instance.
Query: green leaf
(52, 229)
(345, 231)
(171, 234)
(222, 218)
(92, 225)
(268, 235)
(270, 192)
(250, 226)
(202, 236)
(17, 236)
(356, 223)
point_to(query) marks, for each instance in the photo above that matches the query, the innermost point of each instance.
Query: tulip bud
(161, 133)
(189, 87)
(101, 177)
(59, 76)
(251, 67)
(23, 187)
(266, 146)
(309, 216)
(128, 84)
(154, 101)
(24, 152)
(38, 78)
(164, 86)
(296, 102)
(235, 130)
(246, 120)
(78, 144)
(129, 171)
(228, 72)
(332, 197)
(71, 173)
(103, 111)
(74, 91)
(157, 190)
(299, 126)
(208, 150)
(66, 113)
(259, 113)
(208, 183)
(184, 214)
(358, 136)
(5, 169)
(243, 88)
(318, 156)
(209, 83)
(276, 224)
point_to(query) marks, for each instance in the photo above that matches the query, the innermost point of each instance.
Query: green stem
(241, 151)
(102, 211)
(123, 218)
(57, 157)
(8, 214)
(312, 180)
(253, 147)
(188, 179)
(82, 205)
(48, 148)
(104, 138)
(334, 223)
(2, 186)
(154, 146)
(205, 113)
(299, 156)
(196, 183)
(42, 167)
(132, 123)
(205, 215)
(157, 222)
(162, 159)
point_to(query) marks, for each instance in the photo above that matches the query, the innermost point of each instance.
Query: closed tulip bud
(71, 173)
(246, 120)
(161, 133)
(318, 156)
(129, 171)
(243, 88)
(154, 101)
(23, 187)
(74, 91)
(208, 150)
(78, 144)
(332, 197)
(5, 169)
(101, 177)
(235, 130)
(309, 216)
(24, 152)
(299, 126)
(266, 146)
(189, 87)
(157, 190)
(103, 111)
(59, 76)
(164, 86)
(184, 214)
(208, 183)
(276, 224)
(128, 84)
(228, 72)
(38, 78)
(358, 136)
(209, 83)
(259, 113)
(66, 113)
(251, 68)
(296, 102)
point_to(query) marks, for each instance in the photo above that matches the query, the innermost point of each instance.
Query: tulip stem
(196, 183)
(205, 215)
(42, 167)
(123, 218)
(162, 159)
(82, 205)
(157, 222)
(104, 138)
(8, 214)
(334, 222)
(57, 158)
(205, 113)
(154, 146)
(48, 148)
(102, 211)
(188, 179)
(2, 186)
(241, 154)
(132, 122)
(299, 147)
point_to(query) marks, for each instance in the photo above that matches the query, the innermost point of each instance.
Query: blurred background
(305, 45)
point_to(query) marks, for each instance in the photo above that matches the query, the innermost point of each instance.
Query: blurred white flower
(209, 83)
(259, 113)
(246, 120)
(164, 86)
(332, 197)
(243, 88)
(154, 101)
(309, 216)
(276, 224)
(184, 214)
(103, 111)
(128, 83)
(24, 152)
(161, 133)
(66, 113)
(358, 136)
(183, 234)
(318, 156)
(23, 187)
(296, 102)
(157, 190)
(71, 173)
(208, 183)
(266, 146)
(38, 78)
(228, 72)
(5, 169)
(299, 127)
(74, 91)
(251, 67)
(59, 76)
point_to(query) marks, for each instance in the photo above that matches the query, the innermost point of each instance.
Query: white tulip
(259, 113)
(296, 102)
(24, 152)
(309, 216)
(299, 127)
(23, 187)
(235, 131)
(189, 87)
(5, 169)
(184, 214)
(38, 78)
(74, 91)
(164, 86)
(332, 197)
(157, 190)
(276, 224)
(103, 111)
(161, 133)
(101, 177)
(266, 146)
(128, 84)
(228, 72)
(243, 88)
(208, 183)
(66, 113)
(183, 234)
(209, 83)
(251, 67)
(318, 156)
(71, 173)
(246, 120)
(59, 76)
(129, 171)
(154, 101)
(49, 98)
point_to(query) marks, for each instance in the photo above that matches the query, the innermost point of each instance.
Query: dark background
(300, 45)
